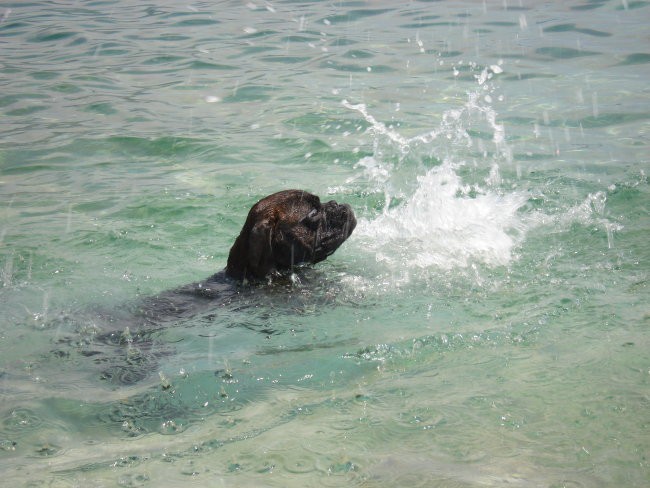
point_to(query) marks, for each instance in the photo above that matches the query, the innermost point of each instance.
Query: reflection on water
(485, 324)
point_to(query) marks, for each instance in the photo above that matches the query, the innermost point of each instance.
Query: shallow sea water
(485, 325)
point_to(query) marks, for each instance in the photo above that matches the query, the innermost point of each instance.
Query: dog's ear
(259, 260)
(251, 255)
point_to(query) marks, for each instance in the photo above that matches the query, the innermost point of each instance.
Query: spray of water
(442, 221)
(447, 208)
(441, 226)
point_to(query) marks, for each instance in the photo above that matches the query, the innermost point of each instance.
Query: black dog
(282, 231)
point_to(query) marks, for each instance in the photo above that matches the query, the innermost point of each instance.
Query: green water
(485, 325)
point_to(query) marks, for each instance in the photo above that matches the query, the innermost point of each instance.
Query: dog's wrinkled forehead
(290, 205)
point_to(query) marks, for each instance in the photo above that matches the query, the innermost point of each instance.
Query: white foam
(441, 221)
(441, 226)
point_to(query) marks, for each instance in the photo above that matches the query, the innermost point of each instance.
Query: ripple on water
(299, 462)
(133, 480)
(125, 374)
(574, 28)
(50, 36)
(564, 52)
(305, 446)
(46, 450)
(8, 445)
(344, 424)
(636, 58)
(144, 414)
(21, 420)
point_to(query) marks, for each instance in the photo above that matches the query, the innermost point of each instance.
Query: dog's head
(285, 229)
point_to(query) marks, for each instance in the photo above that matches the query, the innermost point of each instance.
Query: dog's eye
(312, 219)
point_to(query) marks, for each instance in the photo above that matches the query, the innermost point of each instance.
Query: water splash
(442, 225)
(443, 218)
(591, 211)
(447, 208)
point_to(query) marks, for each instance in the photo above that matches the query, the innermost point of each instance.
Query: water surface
(485, 325)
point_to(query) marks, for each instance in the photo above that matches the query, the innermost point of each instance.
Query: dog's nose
(351, 219)
(342, 214)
